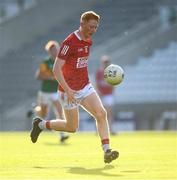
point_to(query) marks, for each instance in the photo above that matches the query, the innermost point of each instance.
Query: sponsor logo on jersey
(82, 62)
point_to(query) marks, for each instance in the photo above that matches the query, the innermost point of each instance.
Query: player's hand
(70, 94)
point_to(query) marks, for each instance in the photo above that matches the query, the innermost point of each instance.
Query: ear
(81, 24)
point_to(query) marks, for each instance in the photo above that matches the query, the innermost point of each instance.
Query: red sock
(47, 124)
(105, 141)
(105, 144)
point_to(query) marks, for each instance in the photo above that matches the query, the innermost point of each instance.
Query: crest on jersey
(86, 49)
(80, 49)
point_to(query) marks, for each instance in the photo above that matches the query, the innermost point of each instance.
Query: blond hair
(89, 15)
(50, 44)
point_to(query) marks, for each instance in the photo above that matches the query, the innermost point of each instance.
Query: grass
(143, 156)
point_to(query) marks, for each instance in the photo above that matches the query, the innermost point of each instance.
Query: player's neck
(82, 35)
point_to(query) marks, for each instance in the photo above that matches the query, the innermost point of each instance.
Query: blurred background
(139, 35)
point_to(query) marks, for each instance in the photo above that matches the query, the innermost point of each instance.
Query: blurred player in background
(71, 71)
(48, 96)
(105, 90)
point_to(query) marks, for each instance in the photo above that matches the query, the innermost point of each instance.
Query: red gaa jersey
(103, 87)
(75, 52)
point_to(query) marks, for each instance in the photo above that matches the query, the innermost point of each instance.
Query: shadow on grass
(131, 171)
(40, 167)
(56, 144)
(92, 171)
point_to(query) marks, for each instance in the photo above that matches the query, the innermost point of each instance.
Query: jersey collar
(78, 35)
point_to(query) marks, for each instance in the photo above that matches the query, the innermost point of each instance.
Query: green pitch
(143, 156)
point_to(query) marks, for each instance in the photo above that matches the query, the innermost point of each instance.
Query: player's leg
(110, 118)
(71, 116)
(70, 124)
(57, 109)
(93, 105)
(41, 110)
(108, 102)
(59, 114)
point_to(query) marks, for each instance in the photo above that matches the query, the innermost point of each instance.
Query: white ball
(113, 74)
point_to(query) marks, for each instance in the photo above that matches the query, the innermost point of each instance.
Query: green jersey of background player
(49, 85)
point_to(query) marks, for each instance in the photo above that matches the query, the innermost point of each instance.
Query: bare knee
(101, 115)
(71, 128)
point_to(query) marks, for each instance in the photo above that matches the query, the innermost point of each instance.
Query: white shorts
(47, 98)
(79, 96)
(108, 100)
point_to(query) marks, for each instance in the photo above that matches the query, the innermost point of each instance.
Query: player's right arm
(57, 70)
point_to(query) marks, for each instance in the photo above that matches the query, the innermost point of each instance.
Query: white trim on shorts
(79, 96)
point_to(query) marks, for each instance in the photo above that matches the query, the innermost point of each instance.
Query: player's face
(89, 28)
